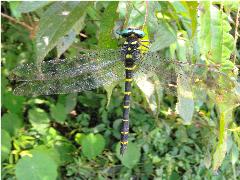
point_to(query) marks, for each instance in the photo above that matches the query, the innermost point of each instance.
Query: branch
(17, 22)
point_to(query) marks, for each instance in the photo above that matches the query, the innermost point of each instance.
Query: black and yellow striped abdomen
(131, 52)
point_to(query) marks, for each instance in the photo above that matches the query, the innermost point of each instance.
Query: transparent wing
(65, 68)
(171, 72)
(86, 81)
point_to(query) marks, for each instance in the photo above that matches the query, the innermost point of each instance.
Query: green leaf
(187, 13)
(193, 9)
(5, 145)
(185, 104)
(65, 151)
(13, 103)
(107, 23)
(216, 42)
(39, 119)
(58, 113)
(38, 167)
(92, 145)
(151, 90)
(66, 41)
(221, 149)
(164, 37)
(131, 155)
(27, 6)
(234, 154)
(137, 13)
(14, 9)
(109, 89)
(50, 151)
(64, 16)
(11, 123)
(69, 101)
(79, 138)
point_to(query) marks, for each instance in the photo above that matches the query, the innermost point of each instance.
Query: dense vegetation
(76, 136)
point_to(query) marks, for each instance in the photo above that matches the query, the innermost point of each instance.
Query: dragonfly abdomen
(131, 52)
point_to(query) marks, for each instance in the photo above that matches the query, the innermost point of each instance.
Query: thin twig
(236, 35)
(17, 22)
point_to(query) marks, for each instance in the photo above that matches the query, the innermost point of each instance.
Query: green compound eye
(128, 32)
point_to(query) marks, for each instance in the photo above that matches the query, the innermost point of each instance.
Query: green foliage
(38, 166)
(131, 157)
(76, 136)
(92, 145)
(6, 145)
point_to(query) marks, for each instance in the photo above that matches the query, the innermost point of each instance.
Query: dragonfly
(95, 68)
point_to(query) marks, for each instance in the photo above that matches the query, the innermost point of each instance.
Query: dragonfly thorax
(131, 32)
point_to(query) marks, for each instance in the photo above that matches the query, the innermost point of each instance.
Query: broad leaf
(66, 41)
(164, 37)
(64, 16)
(185, 104)
(11, 123)
(5, 145)
(92, 145)
(216, 43)
(221, 149)
(152, 92)
(38, 167)
(107, 23)
(131, 156)
(58, 112)
(27, 6)
(13, 103)
(39, 119)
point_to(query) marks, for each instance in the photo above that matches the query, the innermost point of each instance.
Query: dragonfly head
(131, 32)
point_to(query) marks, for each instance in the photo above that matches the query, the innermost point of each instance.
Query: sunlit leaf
(221, 148)
(92, 145)
(216, 42)
(151, 90)
(39, 119)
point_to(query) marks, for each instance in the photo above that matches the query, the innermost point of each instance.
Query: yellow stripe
(130, 68)
(125, 42)
(124, 142)
(126, 107)
(124, 132)
(128, 80)
(127, 92)
(128, 56)
(125, 120)
(134, 42)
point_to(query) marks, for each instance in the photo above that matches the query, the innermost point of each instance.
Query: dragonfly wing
(65, 68)
(79, 83)
(172, 72)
